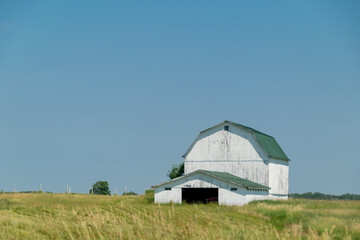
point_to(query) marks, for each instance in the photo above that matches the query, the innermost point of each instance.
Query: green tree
(100, 188)
(176, 171)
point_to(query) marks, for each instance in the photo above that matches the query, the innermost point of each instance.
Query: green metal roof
(267, 142)
(234, 179)
(227, 177)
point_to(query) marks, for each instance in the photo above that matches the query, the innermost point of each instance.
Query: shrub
(176, 171)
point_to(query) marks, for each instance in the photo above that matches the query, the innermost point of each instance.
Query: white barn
(231, 164)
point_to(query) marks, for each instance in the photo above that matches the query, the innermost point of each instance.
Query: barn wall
(166, 196)
(241, 196)
(278, 178)
(232, 198)
(235, 151)
(257, 195)
(256, 171)
(278, 197)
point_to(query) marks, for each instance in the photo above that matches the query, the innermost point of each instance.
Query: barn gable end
(267, 143)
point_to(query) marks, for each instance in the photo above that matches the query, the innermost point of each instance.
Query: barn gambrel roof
(267, 142)
(226, 177)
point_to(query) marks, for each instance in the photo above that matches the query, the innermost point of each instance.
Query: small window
(226, 128)
(168, 188)
(233, 189)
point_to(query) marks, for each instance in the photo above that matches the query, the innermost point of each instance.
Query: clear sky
(118, 90)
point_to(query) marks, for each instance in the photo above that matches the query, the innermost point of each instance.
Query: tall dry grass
(62, 216)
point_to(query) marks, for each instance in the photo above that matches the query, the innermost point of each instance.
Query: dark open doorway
(200, 195)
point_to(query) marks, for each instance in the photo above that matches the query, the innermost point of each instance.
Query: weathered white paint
(254, 196)
(226, 197)
(235, 151)
(279, 178)
(232, 198)
(218, 144)
(167, 196)
(256, 171)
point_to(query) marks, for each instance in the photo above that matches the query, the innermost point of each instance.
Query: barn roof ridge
(224, 176)
(238, 125)
(267, 142)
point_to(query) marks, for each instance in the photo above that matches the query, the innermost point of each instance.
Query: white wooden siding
(278, 177)
(235, 151)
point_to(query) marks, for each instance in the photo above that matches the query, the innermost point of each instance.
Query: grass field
(74, 216)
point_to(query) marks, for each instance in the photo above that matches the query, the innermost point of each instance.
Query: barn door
(200, 195)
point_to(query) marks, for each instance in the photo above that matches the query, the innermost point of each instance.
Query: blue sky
(118, 90)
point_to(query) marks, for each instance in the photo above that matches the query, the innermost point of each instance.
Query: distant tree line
(323, 196)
